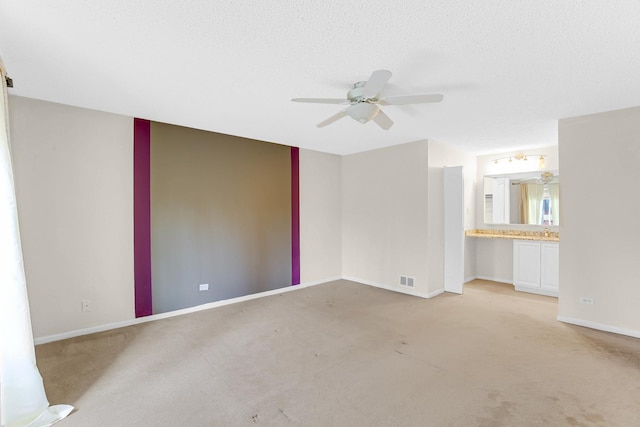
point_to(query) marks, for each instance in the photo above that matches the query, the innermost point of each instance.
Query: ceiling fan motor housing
(357, 93)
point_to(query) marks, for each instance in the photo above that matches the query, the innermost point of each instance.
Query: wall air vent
(407, 281)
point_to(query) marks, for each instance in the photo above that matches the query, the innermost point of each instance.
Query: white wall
(392, 214)
(384, 216)
(320, 216)
(599, 251)
(74, 183)
(494, 259)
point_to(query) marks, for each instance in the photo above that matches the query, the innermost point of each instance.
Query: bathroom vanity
(536, 266)
(519, 210)
(535, 258)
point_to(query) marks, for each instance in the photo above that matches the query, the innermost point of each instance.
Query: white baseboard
(469, 279)
(435, 293)
(318, 282)
(399, 289)
(129, 322)
(537, 291)
(600, 326)
(495, 279)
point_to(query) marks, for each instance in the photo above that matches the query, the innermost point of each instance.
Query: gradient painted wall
(221, 215)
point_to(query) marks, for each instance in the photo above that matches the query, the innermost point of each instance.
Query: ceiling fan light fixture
(363, 112)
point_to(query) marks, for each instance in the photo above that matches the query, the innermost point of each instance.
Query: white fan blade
(333, 118)
(322, 100)
(375, 83)
(383, 120)
(410, 99)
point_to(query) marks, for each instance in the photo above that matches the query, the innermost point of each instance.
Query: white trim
(436, 293)
(137, 321)
(318, 282)
(469, 279)
(399, 289)
(493, 279)
(600, 326)
(538, 291)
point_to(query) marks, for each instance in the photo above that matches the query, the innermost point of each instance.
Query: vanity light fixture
(521, 156)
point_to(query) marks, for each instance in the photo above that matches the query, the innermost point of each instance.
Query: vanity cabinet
(536, 267)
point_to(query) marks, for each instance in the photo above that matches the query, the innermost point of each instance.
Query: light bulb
(541, 163)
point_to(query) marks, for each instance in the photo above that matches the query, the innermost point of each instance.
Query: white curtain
(535, 193)
(22, 397)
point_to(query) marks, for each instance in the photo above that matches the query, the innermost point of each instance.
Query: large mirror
(522, 198)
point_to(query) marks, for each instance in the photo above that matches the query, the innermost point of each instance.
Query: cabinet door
(550, 266)
(453, 229)
(526, 264)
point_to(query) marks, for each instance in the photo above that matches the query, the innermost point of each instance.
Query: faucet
(546, 232)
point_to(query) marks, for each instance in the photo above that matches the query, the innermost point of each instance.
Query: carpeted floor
(345, 354)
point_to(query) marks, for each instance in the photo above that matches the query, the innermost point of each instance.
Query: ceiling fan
(365, 101)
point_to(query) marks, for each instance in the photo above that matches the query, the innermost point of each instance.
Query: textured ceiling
(508, 69)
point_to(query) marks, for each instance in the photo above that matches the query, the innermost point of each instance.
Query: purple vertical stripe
(295, 216)
(142, 216)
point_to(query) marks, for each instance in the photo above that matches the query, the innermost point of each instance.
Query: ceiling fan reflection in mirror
(365, 101)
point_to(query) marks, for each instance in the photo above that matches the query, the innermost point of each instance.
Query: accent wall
(221, 216)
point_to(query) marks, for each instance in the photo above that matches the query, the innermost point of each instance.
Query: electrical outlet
(586, 300)
(86, 305)
(204, 287)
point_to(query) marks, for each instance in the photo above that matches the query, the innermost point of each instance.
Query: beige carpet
(345, 354)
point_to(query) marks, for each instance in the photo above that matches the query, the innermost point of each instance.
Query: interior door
(453, 229)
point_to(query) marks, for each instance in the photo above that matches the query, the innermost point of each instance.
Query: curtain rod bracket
(9, 81)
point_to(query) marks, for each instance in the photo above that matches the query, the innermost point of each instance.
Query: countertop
(547, 236)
